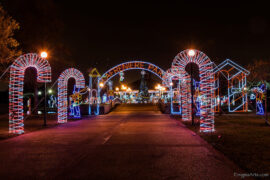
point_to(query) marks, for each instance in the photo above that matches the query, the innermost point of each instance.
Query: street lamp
(50, 91)
(191, 52)
(101, 84)
(44, 54)
(158, 87)
(123, 87)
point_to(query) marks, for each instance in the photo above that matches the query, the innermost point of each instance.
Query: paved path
(133, 142)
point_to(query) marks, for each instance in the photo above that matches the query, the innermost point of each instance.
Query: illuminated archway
(206, 86)
(17, 70)
(62, 91)
(168, 78)
(129, 66)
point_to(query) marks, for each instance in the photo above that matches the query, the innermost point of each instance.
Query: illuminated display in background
(259, 91)
(206, 87)
(124, 67)
(62, 91)
(16, 83)
(93, 74)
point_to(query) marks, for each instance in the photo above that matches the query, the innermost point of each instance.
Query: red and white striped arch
(62, 91)
(206, 86)
(16, 83)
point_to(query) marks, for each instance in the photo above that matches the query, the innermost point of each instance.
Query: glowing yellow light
(44, 54)
(158, 86)
(117, 88)
(191, 52)
(101, 85)
(128, 89)
(123, 87)
(50, 91)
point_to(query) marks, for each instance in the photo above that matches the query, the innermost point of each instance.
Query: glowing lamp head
(117, 88)
(191, 52)
(123, 87)
(50, 91)
(171, 84)
(101, 85)
(44, 54)
(39, 92)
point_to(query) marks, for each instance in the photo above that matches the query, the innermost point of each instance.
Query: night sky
(104, 34)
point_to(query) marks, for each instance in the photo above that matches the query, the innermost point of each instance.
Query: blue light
(75, 106)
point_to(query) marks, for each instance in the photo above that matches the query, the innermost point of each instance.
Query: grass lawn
(244, 139)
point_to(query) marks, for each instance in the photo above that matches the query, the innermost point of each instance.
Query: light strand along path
(132, 142)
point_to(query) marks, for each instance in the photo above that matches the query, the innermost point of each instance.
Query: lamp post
(45, 55)
(192, 53)
(45, 110)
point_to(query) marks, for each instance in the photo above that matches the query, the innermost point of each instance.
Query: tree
(8, 44)
(260, 74)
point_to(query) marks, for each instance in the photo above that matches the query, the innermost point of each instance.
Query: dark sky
(105, 34)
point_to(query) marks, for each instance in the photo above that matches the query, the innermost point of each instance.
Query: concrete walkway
(133, 142)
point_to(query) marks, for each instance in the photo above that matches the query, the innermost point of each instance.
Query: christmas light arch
(168, 78)
(129, 66)
(17, 70)
(62, 91)
(206, 86)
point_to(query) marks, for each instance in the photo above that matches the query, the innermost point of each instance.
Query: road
(132, 142)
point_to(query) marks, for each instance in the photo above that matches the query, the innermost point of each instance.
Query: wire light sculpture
(16, 83)
(206, 87)
(237, 81)
(62, 91)
(259, 97)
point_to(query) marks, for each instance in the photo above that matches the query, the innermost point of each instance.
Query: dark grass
(244, 139)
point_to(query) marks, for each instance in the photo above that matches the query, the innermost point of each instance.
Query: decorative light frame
(233, 73)
(62, 91)
(16, 83)
(206, 86)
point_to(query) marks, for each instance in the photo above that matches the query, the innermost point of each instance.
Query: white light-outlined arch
(132, 65)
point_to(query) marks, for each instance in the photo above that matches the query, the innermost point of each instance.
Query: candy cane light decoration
(206, 86)
(16, 83)
(62, 91)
